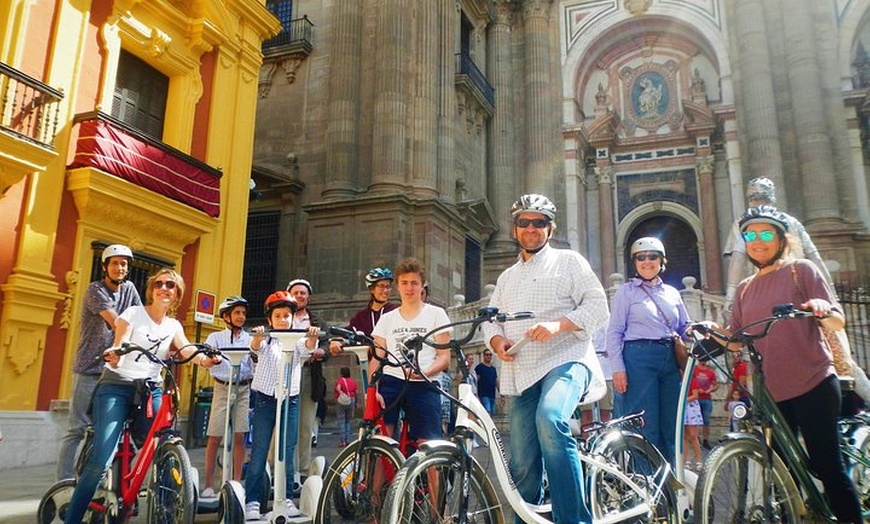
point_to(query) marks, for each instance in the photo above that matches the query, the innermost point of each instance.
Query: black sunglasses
(168, 284)
(652, 257)
(539, 223)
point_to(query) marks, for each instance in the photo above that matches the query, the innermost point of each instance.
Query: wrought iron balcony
(468, 75)
(297, 38)
(29, 109)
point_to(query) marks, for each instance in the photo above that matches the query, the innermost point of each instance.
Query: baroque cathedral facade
(397, 128)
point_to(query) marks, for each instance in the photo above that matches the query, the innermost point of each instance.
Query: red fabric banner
(111, 149)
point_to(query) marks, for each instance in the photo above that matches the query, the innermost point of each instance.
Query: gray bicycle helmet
(377, 274)
(764, 215)
(230, 302)
(534, 203)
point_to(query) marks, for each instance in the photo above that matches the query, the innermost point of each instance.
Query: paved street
(21, 489)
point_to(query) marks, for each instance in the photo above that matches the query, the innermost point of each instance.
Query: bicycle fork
(771, 508)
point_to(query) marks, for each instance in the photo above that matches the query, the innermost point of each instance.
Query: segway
(230, 503)
(232, 494)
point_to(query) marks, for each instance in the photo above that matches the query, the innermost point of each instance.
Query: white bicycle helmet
(116, 250)
(648, 244)
(298, 281)
(534, 203)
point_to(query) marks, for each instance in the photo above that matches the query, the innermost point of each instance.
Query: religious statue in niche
(650, 96)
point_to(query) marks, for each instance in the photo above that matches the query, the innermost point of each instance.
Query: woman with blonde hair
(154, 328)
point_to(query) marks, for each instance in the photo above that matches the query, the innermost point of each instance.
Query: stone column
(503, 186)
(709, 218)
(540, 122)
(449, 21)
(814, 149)
(390, 129)
(342, 130)
(423, 177)
(604, 174)
(757, 103)
(852, 202)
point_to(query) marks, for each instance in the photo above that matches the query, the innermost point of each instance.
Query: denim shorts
(420, 402)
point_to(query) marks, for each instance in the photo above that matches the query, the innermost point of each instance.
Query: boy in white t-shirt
(420, 400)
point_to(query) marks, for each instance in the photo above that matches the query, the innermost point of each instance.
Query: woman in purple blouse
(645, 316)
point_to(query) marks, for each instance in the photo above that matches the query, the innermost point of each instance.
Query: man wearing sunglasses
(104, 301)
(762, 192)
(556, 366)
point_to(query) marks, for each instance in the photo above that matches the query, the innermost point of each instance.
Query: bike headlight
(740, 412)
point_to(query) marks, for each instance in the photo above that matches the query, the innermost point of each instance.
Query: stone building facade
(393, 128)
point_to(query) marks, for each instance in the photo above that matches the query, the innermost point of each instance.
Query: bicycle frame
(482, 425)
(134, 471)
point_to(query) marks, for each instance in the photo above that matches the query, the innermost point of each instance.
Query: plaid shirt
(553, 283)
(225, 339)
(269, 360)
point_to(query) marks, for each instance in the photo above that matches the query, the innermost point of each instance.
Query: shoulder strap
(656, 304)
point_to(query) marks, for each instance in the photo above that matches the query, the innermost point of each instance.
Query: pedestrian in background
(345, 396)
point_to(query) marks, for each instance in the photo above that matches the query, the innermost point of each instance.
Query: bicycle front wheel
(171, 497)
(858, 469)
(639, 460)
(730, 488)
(346, 497)
(428, 490)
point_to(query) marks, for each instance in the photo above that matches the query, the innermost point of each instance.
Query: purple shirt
(634, 316)
(365, 319)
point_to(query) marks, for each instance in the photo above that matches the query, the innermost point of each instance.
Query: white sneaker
(252, 511)
(208, 493)
(292, 510)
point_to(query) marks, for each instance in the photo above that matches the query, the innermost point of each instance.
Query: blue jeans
(653, 387)
(345, 420)
(541, 439)
(112, 404)
(264, 424)
(488, 404)
(83, 390)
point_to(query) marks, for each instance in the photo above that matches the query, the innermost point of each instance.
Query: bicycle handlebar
(486, 314)
(130, 347)
(700, 330)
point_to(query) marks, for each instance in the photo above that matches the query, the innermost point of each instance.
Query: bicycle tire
(858, 472)
(171, 494)
(730, 487)
(54, 503)
(638, 459)
(410, 499)
(336, 503)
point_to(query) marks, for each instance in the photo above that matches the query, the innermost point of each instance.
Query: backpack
(343, 398)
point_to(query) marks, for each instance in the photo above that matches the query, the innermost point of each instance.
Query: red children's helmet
(279, 298)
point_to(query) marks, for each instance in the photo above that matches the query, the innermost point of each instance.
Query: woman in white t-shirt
(420, 400)
(153, 327)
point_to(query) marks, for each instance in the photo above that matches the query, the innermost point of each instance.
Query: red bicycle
(171, 490)
(355, 484)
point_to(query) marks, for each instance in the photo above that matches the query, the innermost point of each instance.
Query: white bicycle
(628, 479)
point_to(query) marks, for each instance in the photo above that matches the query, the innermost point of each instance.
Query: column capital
(604, 175)
(536, 8)
(705, 164)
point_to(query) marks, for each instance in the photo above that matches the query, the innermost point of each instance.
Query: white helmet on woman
(648, 244)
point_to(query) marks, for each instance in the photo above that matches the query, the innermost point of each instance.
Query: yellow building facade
(122, 121)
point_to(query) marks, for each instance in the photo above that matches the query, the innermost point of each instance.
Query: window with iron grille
(261, 255)
(140, 95)
(283, 11)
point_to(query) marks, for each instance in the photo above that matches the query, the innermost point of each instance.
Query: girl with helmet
(798, 367)
(645, 317)
(379, 280)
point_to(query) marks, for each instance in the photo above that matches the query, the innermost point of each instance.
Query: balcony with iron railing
(295, 39)
(469, 77)
(29, 109)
